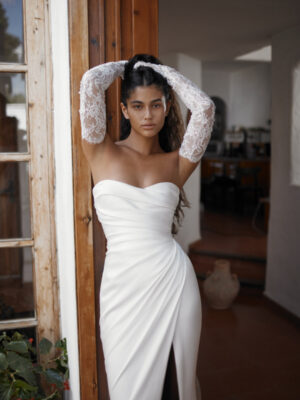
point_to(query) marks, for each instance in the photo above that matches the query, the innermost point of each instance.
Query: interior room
(242, 230)
(234, 56)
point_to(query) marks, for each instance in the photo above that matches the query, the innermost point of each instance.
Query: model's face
(146, 109)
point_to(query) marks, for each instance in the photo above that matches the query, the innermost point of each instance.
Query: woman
(149, 295)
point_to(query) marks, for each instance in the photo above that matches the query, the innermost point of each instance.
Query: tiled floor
(250, 351)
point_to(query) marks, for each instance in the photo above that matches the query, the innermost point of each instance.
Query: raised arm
(198, 132)
(92, 111)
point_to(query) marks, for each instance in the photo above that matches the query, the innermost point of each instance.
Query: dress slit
(170, 387)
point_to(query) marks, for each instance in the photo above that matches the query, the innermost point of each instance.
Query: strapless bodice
(128, 212)
(149, 296)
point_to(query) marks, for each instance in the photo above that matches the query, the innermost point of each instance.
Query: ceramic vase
(221, 286)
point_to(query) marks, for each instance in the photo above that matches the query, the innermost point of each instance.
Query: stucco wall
(190, 229)
(250, 99)
(246, 92)
(283, 254)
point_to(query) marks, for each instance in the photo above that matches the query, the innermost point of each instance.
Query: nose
(148, 114)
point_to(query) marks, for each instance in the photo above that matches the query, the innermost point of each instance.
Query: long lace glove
(198, 132)
(92, 111)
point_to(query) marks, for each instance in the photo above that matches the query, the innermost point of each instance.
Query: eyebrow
(140, 102)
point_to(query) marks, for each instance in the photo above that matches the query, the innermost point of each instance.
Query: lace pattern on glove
(92, 99)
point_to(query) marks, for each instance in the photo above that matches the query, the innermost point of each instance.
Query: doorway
(235, 171)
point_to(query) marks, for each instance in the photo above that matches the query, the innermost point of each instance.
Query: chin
(148, 132)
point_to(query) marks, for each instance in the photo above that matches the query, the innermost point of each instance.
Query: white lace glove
(92, 111)
(198, 132)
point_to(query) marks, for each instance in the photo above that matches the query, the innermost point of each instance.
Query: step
(250, 270)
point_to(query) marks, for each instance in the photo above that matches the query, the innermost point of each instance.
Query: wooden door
(128, 27)
(101, 31)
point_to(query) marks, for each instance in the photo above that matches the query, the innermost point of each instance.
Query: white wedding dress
(149, 295)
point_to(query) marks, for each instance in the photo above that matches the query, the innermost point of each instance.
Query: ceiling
(222, 29)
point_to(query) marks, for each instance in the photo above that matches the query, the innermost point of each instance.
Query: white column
(64, 188)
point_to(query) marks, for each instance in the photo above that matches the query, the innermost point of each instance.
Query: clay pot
(221, 287)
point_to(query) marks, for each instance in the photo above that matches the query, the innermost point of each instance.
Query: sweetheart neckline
(136, 187)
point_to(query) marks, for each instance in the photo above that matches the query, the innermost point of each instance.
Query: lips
(148, 126)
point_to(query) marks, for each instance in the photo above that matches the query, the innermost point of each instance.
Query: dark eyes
(139, 107)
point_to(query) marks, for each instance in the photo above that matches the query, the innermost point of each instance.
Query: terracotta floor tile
(250, 351)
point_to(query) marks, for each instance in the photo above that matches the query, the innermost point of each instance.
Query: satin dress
(149, 295)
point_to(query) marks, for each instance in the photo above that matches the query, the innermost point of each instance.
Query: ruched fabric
(149, 295)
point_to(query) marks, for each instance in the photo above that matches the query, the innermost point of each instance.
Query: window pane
(14, 200)
(11, 31)
(13, 135)
(16, 283)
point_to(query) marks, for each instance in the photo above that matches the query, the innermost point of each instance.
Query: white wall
(295, 140)
(217, 83)
(246, 92)
(190, 229)
(250, 96)
(262, 54)
(283, 253)
(64, 188)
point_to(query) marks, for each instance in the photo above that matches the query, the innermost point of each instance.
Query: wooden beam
(44, 280)
(18, 323)
(13, 68)
(96, 14)
(16, 243)
(11, 157)
(79, 63)
(113, 53)
(145, 27)
(126, 29)
(97, 56)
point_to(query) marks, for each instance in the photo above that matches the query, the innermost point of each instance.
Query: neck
(143, 145)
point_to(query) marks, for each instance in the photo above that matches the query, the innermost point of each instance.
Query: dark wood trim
(97, 44)
(113, 53)
(145, 26)
(127, 30)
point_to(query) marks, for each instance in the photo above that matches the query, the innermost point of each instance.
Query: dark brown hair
(171, 134)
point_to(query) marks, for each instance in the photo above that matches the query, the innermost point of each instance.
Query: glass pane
(11, 31)
(14, 200)
(13, 135)
(16, 283)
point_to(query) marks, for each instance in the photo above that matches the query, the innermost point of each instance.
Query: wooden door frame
(82, 194)
(93, 42)
(40, 157)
